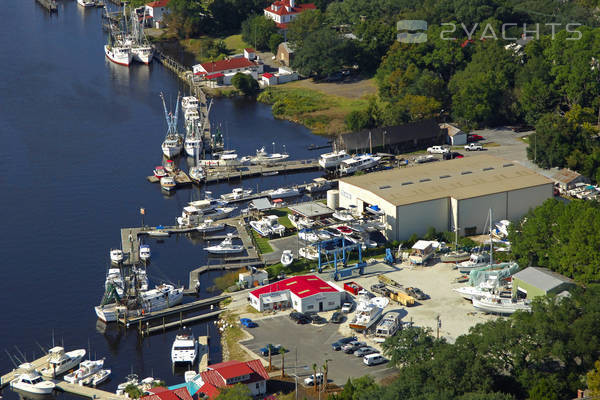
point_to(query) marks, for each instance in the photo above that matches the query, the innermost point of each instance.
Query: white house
(303, 293)
(284, 11)
(456, 137)
(157, 10)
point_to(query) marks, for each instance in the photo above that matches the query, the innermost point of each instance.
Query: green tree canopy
(324, 52)
(236, 392)
(245, 83)
(257, 30)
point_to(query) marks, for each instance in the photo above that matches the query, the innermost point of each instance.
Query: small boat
(287, 257)
(160, 171)
(116, 256)
(477, 260)
(60, 362)
(225, 247)
(333, 160)
(145, 252)
(499, 305)
(283, 193)
(97, 378)
(86, 368)
(197, 173)
(236, 194)
(375, 210)
(309, 252)
(31, 381)
(185, 348)
(270, 173)
(300, 222)
(323, 235)
(268, 226)
(455, 256)
(308, 236)
(131, 379)
(170, 166)
(86, 3)
(159, 232)
(262, 157)
(209, 226)
(167, 183)
(342, 214)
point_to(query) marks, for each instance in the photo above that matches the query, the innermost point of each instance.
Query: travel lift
(345, 251)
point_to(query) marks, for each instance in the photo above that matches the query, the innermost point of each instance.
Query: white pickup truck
(473, 147)
(437, 150)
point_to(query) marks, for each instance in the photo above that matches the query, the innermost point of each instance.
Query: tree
(323, 53)
(257, 30)
(282, 350)
(314, 368)
(236, 392)
(325, 370)
(303, 25)
(274, 42)
(593, 380)
(245, 83)
(410, 346)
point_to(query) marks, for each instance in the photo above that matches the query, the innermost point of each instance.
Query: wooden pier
(220, 174)
(37, 364)
(148, 330)
(180, 177)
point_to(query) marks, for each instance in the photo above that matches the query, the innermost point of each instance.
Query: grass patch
(235, 43)
(231, 337)
(285, 221)
(251, 310)
(261, 243)
(229, 279)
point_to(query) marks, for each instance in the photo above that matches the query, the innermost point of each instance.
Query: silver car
(365, 351)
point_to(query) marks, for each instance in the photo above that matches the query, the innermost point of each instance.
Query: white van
(374, 359)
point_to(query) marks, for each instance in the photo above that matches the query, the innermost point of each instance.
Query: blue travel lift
(345, 250)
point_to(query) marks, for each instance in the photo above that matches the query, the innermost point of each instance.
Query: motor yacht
(282, 193)
(31, 381)
(236, 194)
(86, 368)
(185, 348)
(60, 362)
(333, 160)
(358, 163)
(225, 247)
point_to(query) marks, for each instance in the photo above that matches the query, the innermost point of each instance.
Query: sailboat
(455, 255)
(173, 143)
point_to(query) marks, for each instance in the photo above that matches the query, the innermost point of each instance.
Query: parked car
(437, 150)
(311, 380)
(473, 147)
(317, 319)
(452, 155)
(373, 359)
(338, 344)
(366, 350)
(303, 319)
(379, 288)
(274, 349)
(351, 347)
(294, 315)
(346, 308)
(248, 323)
(425, 159)
(337, 317)
(416, 293)
(474, 137)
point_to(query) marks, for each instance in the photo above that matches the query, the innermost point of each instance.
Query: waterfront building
(284, 11)
(226, 374)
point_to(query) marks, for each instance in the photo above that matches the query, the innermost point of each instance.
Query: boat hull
(120, 59)
(35, 389)
(143, 55)
(171, 151)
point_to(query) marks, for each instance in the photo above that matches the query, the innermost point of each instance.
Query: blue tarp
(191, 387)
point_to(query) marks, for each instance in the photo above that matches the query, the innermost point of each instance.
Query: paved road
(313, 345)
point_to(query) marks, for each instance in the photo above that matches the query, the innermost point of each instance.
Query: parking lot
(312, 345)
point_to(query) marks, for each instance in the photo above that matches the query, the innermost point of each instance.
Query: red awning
(277, 201)
(213, 76)
(200, 73)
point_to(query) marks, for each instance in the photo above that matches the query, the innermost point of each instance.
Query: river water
(79, 137)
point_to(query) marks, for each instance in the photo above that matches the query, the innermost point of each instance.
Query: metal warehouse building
(303, 293)
(447, 194)
(535, 281)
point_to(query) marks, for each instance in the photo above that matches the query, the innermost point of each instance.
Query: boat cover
(501, 271)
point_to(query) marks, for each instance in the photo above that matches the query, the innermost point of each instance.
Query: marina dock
(180, 177)
(148, 330)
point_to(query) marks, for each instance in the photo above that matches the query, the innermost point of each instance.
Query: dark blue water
(79, 136)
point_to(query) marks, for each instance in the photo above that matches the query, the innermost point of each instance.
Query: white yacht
(333, 160)
(225, 247)
(358, 163)
(86, 3)
(483, 289)
(236, 194)
(60, 362)
(31, 381)
(224, 160)
(86, 368)
(368, 311)
(190, 216)
(300, 222)
(282, 193)
(209, 226)
(307, 235)
(97, 378)
(319, 185)
(267, 226)
(131, 379)
(342, 214)
(116, 256)
(500, 305)
(389, 325)
(476, 260)
(145, 252)
(262, 157)
(185, 348)
(118, 54)
(287, 258)
(261, 227)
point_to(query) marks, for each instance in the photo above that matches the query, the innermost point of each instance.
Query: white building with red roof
(226, 374)
(157, 10)
(284, 11)
(303, 293)
(222, 71)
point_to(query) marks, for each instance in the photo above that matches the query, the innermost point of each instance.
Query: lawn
(235, 43)
(262, 243)
(202, 49)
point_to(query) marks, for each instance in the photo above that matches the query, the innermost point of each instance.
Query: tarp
(501, 271)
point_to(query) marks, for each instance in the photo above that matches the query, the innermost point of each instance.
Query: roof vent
(444, 176)
(488, 168)
(508, 165)
(466, 172)
(385, 187)
(406, 183)
(425, 180)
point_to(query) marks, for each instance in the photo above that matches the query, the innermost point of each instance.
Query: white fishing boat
(209, 225)
(475, 261)
(197, 173)
(500, 305)
(389, 325)
(236, 194)
(173, 143)
(309, 252)
(168, 183)
(114, 277)
(189, 102)
(160, 172)
(60, 362)
(142, 53)
(191, 115)
(118, 54)
(97, 378)
(193, 144)
(141, 50)
(145, 252)
(282, 193)
(185, 348)
(333, 160)
(358, 163)
(86, 3)
(116, 256)
(30, 381)
(225, 247)
(368, 312)
(86, 368)
(287, 258)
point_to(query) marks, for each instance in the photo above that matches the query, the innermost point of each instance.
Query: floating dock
(180, 177)
(216, 175)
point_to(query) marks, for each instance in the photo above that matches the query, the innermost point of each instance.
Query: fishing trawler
(173, 143)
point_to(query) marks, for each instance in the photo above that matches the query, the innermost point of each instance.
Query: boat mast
(491, 241)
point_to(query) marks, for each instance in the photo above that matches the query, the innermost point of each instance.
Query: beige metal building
(447, 194)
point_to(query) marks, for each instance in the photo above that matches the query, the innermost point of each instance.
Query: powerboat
(31, 381)
(86, 3)
(268, 226)
(342, 214)
(225, 247)
(283, 193)
(323, 235)
(185, 348)
(262, 157)
(224, 160)
(358, 163)
(319, 185)
(190, 216)
(60, 362)
(308, 236)
(300, 222)
(97, 378)
(209, 226)
(168, 183)
(145, 252)
(197, 173)
(477, 260)
(287, 258)
(86, 368)
(160, 171)
(455, 256)
(131, 379)
(236, 194)
(159, 232)
(116, 256)
(499, 305)
(309, 252)
(368, 311)
(333, 160)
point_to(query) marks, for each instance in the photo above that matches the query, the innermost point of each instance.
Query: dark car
(416, 293)
(295, 316)
(275, 349)
(452, 155)
(337, 317)
(338, 345)
(304, 319)
(317, 319)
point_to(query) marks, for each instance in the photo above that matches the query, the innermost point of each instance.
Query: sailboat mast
(491, 241)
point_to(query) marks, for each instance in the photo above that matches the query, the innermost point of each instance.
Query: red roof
(210, 390)
(217, 374)
(223, 65)
(301, 286)
(268, 75)
(250, 50)
(282, 7)
(183, 393)
(213, 76)
(158, 3)
(164, 395)
(233, 371)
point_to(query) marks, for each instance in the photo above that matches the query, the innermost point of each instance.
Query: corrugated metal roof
(461, 178)
(542, 278)
(311, 209)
